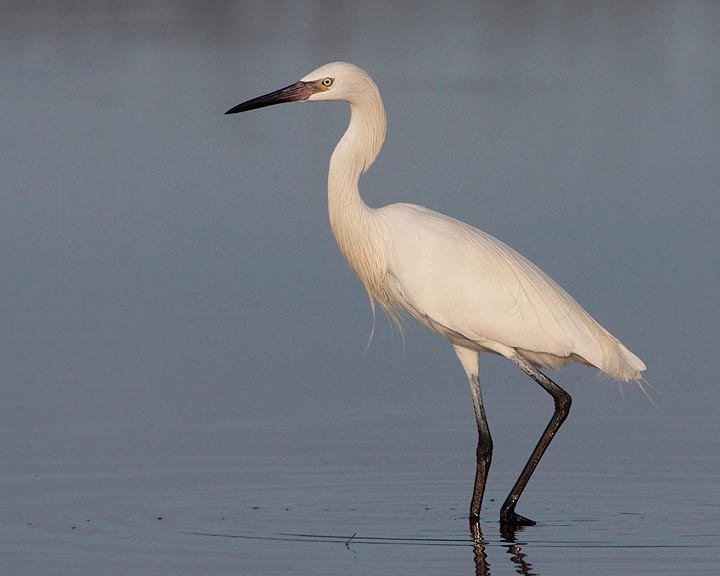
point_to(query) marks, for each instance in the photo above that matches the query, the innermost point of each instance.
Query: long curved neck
(353, 155)
(353, 223)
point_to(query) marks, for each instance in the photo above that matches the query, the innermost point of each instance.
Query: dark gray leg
(484, 449)
(470, 362)
(562, 408)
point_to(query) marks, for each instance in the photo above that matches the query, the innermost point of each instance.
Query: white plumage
(489, 297)
(455, 279)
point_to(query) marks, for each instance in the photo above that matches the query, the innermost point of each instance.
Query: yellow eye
(327, 82)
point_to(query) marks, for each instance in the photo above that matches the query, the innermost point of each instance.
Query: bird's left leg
(563, 401)
(470, 361)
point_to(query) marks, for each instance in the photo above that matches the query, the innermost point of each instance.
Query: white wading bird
(455, 279)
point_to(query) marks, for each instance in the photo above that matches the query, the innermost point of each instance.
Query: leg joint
(484, 446)
(563, 401)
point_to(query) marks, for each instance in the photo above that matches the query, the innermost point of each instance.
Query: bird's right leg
(470, 361)
(484, 449)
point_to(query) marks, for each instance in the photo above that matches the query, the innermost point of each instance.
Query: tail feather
(621, 364)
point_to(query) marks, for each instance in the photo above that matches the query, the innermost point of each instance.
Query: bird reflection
(482, 568)
(514, 548)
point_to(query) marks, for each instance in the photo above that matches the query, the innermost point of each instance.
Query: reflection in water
(481, 564)
(518, 557)
(356, 543)
(479, 544)
(482, 567)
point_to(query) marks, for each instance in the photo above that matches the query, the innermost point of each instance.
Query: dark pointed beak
(294, 93)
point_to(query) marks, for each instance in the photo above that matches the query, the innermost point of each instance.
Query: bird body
(480, 293)
(458, 281)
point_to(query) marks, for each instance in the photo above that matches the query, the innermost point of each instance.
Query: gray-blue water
(185, 386)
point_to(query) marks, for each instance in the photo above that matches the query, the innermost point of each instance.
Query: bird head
(334, 81)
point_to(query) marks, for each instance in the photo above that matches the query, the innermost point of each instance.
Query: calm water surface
(185, 387)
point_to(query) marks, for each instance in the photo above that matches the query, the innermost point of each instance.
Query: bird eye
(327, 82)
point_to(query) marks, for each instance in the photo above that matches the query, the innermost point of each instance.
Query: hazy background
(180, 337)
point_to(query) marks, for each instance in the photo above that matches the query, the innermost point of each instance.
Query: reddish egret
(455, 279)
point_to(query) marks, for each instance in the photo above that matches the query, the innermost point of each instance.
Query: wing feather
(475, 285)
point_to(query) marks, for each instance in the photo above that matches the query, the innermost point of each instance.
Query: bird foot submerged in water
(513, 520)
(509, 527)
(512, 523)
(509, 520)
